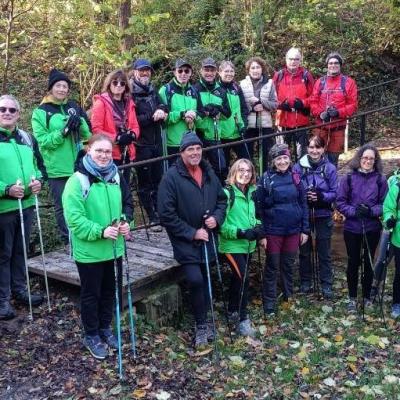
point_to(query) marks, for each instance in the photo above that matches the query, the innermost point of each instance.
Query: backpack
(306, 170)
(280, 74)
(343, 81)
(85, 183)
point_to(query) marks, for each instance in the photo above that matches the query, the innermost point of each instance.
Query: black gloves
(125, 138)
(298, 104)
(285, 106)
(72, 125)
(255, 233)
(325, 116)
(391, 222)
(363, 211)
(333, 112)
(212, 109)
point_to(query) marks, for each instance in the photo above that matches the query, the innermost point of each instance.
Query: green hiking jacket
(391, 207)
(178, 99)
(18, 162)
(59, 153)
(242, 215)
(88, 217)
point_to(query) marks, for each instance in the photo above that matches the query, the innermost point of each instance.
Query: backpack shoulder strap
(349, 183)
(85, 184)
(231, 197)
(305, 76)
(343, 81)
(322, 83)
(26, 138)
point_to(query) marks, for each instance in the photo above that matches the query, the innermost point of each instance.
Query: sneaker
(327, 293)
(6, 311)
(245, 329)
(352, 305)
(23, 298)
(200, 339)
(95, 346)
(395, 310)
(108, 337)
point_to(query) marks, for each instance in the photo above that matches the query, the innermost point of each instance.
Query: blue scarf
(106, 173)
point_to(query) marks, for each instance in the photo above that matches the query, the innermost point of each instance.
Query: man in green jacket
(20, 178)
(182, 102)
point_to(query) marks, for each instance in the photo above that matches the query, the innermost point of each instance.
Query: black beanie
(56, 76)
(336, 56)
(189, 139)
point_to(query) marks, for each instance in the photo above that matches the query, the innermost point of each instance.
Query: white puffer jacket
(268, 99)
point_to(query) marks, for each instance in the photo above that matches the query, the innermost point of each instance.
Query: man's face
(333, 66)
(9, 114)
(293, 61)
(192, 155)
(142, 75)
(208, 74)
(183, 74)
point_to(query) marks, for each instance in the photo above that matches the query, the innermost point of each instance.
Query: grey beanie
(189, 139)
(336, 55)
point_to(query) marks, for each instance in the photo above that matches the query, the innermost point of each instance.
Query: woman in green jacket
(59, 126)
(237, 240)
(391, 217)
(98, 207)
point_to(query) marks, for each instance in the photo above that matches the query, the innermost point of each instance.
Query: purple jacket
(365, 188)
(323, 177)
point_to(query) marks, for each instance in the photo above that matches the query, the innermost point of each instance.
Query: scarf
(105, 174)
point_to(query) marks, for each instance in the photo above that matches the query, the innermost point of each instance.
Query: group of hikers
(214, 207)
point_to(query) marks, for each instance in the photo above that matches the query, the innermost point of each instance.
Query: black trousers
(354, 243)
(237, 263)
(12, 262)
(396, 280)
(172, 150)
(98, 294)
(57, 186)
(148, 177)
(266, 145)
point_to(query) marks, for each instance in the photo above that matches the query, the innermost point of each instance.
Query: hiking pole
(117, 310)
(42, 248)
(314, 255)
(211, 301)
(141, 208)
(244, 279)
(364, 242)
(164, 147)
(130, 300)
(221, 284)
(215, 124)
(241, 135)
(260, 143)
(28, 285)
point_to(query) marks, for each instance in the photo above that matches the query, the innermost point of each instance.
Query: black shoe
(23, 298)
(6, 311)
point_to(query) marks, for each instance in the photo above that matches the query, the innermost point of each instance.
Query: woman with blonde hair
(237, 240)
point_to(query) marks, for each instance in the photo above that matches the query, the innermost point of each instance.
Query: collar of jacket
(139, 89)
(182, 170)
(209, 86)
(264, 79)
(178, 85)
(6, 134)
(51, 100)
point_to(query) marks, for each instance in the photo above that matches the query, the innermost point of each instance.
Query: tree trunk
(125, 12)
(7, 56)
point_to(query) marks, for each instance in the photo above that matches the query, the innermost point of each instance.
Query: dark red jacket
(103, 122)
(288, 87)
(330, 91)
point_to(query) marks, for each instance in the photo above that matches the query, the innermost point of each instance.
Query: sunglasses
(183, 70)
(334, 63)
(11, 110)
(118, 83)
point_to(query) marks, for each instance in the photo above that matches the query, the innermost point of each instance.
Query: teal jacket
(59, 153)
(20, 160)
(178, 99)
(391, 208)
(87, 217)
(242, 215)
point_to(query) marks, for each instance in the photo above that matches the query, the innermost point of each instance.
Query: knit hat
(189, 139)
(279, 150)
(56, 76)
(335, 55)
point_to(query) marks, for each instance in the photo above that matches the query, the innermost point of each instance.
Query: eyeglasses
(315, 147)
(183, 70)
(294, 59)
(101, 151)
(333, 63)
(368, 158)
(11, 110)
(119, 83)
(244, 171)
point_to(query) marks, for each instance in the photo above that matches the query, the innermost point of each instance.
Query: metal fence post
(363, 122)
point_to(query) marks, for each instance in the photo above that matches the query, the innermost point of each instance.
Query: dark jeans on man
(267, 144)
(12, 262)
(238, 263)
(98, 294)
(216, 158)
(323, 231)
(149, 177)
(241, 150)
(354, 243)
(57, 186)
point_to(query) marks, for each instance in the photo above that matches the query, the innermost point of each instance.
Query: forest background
(89, 38)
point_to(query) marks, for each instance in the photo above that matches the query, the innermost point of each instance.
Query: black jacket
(147, 102)
(182, 205)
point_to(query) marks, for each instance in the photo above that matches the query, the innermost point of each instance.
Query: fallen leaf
(329, 382)
(353, 367)
(237, 362)
(163, 395)
(326, 309)
(139, 394)
(338, 338)
(203, 353)
(305, 371)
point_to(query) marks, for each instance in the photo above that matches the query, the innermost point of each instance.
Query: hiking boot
(6, 311)
(23, 298)
(108, 337)
(155, 220)
(201, 336)
(395, 311)
(352, 305)
(95, 346)
(305, 288)
(367, 303)
(327, 293)
(245, 329)
(210, 331)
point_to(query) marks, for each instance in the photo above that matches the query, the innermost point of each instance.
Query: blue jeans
(323, 231)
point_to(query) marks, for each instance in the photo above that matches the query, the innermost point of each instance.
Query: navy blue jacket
(282, 204)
